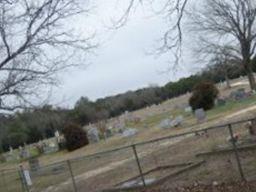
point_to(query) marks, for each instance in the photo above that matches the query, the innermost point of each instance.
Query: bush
(203, 96)
(75, 137)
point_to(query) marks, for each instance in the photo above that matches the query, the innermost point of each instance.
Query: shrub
(75, 137)
(203, 96)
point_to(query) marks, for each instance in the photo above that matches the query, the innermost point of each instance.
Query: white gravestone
(93, 135)
(200, 115)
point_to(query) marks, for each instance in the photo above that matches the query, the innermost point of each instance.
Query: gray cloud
(120, 64)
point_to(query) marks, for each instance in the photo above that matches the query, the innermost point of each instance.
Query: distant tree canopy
(30, 126)
(203, 96)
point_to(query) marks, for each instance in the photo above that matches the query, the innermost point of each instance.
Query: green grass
(154, 120)
(230, 106)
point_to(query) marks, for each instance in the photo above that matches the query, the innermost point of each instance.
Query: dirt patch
(241, 112)
(224, 187)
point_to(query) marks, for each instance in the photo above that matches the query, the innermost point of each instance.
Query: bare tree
(219, 58)
(223, 65)
(230, 23)
(174, 12)
(35, 43)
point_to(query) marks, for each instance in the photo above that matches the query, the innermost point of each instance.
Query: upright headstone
(177, 121)
(11, 151)
(166, 123)
(221, 101)
(200, 115)
(24, 153)
(50, 147)
(238, 94)
(188, 109)
(129, 132)
(93, 135)
(57, 134)
(108, 132)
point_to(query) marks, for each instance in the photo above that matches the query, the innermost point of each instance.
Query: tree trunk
(250, 76)
(252, 81)
(248, 68)
(227, 80)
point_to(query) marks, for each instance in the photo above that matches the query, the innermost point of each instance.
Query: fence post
(236, 152)
(4, 181)
(23, 179)
(139, 165)
(72, 175)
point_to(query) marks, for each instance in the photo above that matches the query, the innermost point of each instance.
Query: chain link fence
(10, 181)
(225, 153)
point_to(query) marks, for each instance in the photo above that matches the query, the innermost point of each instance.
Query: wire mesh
(55, 177)
(105, 170)
(10, 181)
(203, 156)
(246, 145)
(193, 157)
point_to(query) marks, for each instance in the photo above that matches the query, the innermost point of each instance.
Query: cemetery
(168, 159)
(128, 96)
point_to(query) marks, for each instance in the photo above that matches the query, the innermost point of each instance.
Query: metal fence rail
(161, 158)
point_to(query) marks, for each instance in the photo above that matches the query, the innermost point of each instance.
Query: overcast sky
(122, 62)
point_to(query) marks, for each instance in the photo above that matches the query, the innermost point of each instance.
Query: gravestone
(238, 94)
(220, 102)
(177, 121)
(24, 153)
(129, 132)
(50, 147)
(93, 135)
(56, 134)
(200, 115)
(10, 157)
(165, 124)
(10, 150)
(188, 109)
(108, 133)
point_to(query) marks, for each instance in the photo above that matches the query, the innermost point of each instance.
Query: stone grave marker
(10, 150)
(93, 135)
(200, 115)
(24, 153)
(188, 109)
(238, 94)
(165, 124)
(129, 132)
(177, 121)
(221, 102)
(108, 133)
(57, 134)
(50, 147)
(9, 158)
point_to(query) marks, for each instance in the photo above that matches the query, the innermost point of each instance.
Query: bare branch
(174, 11)
(233, 23)
(35, 44)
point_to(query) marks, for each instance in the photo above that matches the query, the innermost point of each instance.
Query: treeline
(30, 126)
